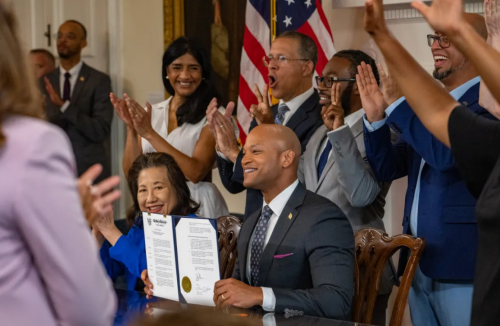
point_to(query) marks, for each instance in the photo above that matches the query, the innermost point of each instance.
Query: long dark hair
(194, 109)
(185, 205)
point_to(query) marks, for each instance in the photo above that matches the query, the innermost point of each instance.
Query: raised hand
(225, 138)
(141, 118)
(213, 109)
(372, 98)
(445, 16)
(390, 88)
(121, 109)
(54, 97)
(97, 200)
(492, 17)
(262, 112)
(333, 115)
(374, 20)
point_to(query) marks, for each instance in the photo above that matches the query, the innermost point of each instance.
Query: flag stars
(288, 21)
(290, 1)
(308, 3)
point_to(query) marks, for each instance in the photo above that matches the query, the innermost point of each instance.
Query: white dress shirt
(277, 205)
(295, 103)
(349, 121)
(75, 71)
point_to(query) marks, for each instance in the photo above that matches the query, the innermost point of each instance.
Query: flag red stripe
(243, 135)
(323, 18)
(255, 52)
(322, 60)
(246, 95)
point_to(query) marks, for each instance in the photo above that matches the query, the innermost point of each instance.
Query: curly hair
(356, 57)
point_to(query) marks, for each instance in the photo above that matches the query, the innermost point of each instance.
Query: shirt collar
(458, 92)
(278, 203)
(352, 118)
(73, 71)
(295, 103)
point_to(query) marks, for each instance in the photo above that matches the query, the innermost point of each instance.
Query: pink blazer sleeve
(51, 221)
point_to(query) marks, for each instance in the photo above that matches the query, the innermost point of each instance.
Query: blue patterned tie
(280, 117)
(258, 243)
(323, 159)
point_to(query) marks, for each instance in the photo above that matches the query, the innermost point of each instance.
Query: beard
(345, 99)
(67, 54)
(447, 73)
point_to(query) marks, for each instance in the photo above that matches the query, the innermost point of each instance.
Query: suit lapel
(301, 114)
(327, 168)
(54, 80)
(244, 239)
(310, 155)
(470, 97)
(280, 230)
(80, 82)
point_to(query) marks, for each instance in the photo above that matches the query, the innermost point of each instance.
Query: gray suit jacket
(317, 279)
(347, 180)
(87, 120)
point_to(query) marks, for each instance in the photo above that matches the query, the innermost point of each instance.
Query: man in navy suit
(438, 206)
(291, 62)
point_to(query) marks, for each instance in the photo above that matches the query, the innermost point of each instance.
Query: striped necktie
(280, 117)
(258, 243)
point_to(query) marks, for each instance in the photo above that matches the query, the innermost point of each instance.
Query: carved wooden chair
(373, 250)
(228, 228)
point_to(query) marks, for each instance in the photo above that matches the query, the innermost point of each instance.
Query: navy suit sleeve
(130, 254)
(113, 267)
(435, 153)
(387, 160)
(330, 248)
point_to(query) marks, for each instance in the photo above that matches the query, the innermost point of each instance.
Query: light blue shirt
(457, 93)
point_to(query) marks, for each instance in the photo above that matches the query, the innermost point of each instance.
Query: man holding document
(296, 255)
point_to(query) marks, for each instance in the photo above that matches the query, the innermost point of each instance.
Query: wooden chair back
(228, 228)
(373, 250)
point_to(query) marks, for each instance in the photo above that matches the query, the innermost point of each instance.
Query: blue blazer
(446, 211)
(304, 123)
(127, 256)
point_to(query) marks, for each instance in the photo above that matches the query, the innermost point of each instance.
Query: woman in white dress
(178, 126)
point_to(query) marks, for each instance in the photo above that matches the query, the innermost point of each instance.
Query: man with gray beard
(438, 206)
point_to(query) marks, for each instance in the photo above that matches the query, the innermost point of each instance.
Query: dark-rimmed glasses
(328, 81)
(442, 40)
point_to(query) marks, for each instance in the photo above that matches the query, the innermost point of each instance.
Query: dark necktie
(280, 117)
(258, 243)
(67, 87)
(323, 159)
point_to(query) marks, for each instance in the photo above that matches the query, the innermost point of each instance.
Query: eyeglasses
(442, 40)
(279, 60)
(328, 81)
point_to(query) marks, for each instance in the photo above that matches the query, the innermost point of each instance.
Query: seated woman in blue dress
(157, 185)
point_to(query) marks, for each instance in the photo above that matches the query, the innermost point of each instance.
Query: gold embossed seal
(186, 284)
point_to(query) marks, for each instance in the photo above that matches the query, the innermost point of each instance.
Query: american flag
(304, 16)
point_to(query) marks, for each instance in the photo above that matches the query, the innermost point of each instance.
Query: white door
(39, 21)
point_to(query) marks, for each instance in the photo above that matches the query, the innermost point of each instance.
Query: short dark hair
(81, 25)
(193, 110)
(308, 49)
(185, 205)
(47, 54)
(356, 57)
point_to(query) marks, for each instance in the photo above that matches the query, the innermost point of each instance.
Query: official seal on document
(186, 284)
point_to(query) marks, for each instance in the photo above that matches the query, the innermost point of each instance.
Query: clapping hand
(54, 97)
(262, 112)
(445, 16)
(221, 127)
(333, 115)
(140, 117)
(97, 200)
(121, 109)
(371, 96)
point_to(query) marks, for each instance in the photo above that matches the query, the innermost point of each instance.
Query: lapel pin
(465, 103)
(82, 78)
(290, 216)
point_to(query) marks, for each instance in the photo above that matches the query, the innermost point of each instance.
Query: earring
(166, 76)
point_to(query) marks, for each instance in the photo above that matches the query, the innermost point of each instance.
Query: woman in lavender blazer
(50, 273)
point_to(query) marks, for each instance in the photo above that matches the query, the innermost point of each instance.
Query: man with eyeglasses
(334, 164)
(438, 206)
(291, 62)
